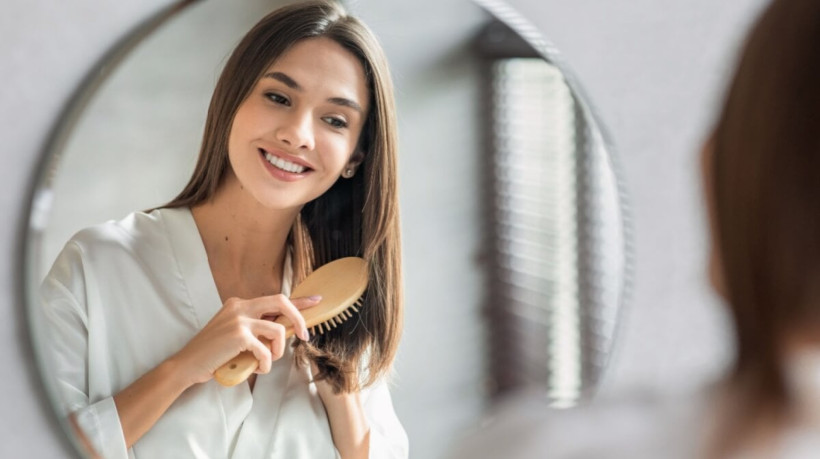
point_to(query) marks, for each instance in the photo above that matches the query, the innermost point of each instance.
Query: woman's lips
(278, 167)
(286, 158)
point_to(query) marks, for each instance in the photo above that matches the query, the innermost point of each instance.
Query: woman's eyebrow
(288, 81)
(292, 84)
(346, 103)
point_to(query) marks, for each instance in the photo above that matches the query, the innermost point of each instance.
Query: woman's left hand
(348, 425)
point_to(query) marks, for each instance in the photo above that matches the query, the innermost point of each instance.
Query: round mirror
(516, 260)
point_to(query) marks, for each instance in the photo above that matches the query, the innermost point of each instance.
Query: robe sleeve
(65, 313)
(388, 439)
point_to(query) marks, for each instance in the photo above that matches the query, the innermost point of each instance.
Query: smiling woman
(142, 311)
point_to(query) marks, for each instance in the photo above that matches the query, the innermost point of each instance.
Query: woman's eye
(337, 123)
(277, 98)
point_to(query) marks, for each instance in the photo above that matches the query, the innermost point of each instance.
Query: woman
(297, 168)
(761, 169)
(762, 173)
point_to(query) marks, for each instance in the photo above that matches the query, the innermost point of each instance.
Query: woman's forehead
(321, 65)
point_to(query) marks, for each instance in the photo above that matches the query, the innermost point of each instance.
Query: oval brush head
(341, 283)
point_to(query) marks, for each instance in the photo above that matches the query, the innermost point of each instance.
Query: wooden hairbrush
(341, 283)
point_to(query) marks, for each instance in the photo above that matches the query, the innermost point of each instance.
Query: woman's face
(298, 128)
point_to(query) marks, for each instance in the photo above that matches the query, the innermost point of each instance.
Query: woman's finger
(277, 346)
(280, 304)
(306, 302)
(273, 335)
(301, 303)
(262, 354)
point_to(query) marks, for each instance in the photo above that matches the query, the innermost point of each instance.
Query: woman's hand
(237, 328)
(232, 330)
(348, 425)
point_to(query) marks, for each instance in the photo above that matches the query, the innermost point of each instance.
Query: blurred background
(652, 69)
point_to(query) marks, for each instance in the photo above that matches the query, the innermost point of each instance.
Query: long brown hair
(355, 217)
(764, 180)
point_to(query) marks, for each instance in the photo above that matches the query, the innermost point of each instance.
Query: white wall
(654, 69)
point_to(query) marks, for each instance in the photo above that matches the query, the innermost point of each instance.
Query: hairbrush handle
(237, 369)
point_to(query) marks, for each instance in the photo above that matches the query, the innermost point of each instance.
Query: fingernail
(305, 334)
(314, 297)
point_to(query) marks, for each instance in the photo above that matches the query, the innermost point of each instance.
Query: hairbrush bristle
(333, 322)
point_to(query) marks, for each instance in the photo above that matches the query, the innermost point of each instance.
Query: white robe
(124, 296)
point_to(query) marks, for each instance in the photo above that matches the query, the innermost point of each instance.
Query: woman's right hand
(236, 328)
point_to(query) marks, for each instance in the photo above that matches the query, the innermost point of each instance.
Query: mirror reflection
(513, 262)
(556, 243)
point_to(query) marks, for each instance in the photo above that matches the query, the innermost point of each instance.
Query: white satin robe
(122, 297)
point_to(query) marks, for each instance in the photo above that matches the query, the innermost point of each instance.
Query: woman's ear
(355, 160)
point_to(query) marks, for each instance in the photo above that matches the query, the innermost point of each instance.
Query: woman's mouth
(284, 165)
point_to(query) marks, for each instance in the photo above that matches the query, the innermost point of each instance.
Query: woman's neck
(245, 242)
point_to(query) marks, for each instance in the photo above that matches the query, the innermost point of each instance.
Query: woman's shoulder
(138, 242)
(137, 230)
(141, 237)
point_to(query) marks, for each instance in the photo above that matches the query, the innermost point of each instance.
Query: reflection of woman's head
(262, 45)
(357, 216)
(763, 175)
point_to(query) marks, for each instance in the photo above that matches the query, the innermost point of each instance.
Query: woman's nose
(296, 131)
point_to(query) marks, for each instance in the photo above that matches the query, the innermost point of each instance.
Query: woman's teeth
(284, 165)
